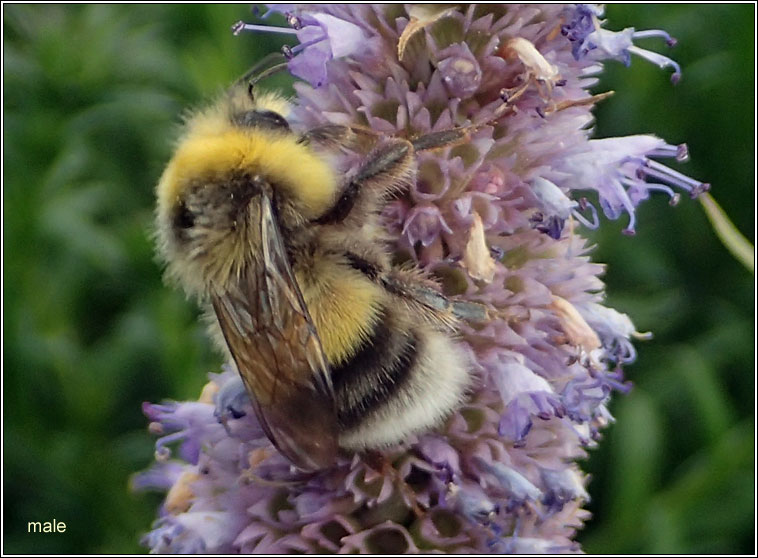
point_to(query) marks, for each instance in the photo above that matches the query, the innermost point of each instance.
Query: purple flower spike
(499, 214)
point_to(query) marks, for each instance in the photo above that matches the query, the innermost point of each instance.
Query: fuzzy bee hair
(337, 347)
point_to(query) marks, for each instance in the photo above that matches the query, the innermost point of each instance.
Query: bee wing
(271, 336)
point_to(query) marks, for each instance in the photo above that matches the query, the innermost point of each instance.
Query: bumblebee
(336, 346)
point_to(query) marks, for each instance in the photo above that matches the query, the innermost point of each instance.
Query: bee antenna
(256, 73)
(266, 73)
(258, 66)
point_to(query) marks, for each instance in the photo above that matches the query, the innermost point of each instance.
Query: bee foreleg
(336, 135)
(388, 168)
(329, 136)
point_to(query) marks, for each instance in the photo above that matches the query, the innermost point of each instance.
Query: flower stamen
(662, 172)
(241, 26)
(585, 204)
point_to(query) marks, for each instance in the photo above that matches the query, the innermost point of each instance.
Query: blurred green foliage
(92, 97)
(676, 473)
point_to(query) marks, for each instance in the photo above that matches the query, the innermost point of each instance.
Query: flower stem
(735, 242)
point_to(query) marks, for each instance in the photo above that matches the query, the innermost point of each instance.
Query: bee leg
(457, 136)
(454, 136)
(330, 136)
(388, 168)
(335, 136)
(473, 312)
(424, 292)
(444, 138)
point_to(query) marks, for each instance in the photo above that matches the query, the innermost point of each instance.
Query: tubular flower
(498, 217)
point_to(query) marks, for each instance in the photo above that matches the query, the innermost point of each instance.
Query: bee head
(208, 232)
(229, 155)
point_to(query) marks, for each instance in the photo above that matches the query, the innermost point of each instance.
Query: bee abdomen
(404, 378)
(375, 373)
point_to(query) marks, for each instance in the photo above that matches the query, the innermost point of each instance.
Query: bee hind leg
(425, 293)
(456, 136)
(443, 138)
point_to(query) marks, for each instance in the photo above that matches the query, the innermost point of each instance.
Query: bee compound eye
(267, 119)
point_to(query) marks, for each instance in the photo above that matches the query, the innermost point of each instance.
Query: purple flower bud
(516, 486)
(562, 486)
(471, 500)
(460, 70)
